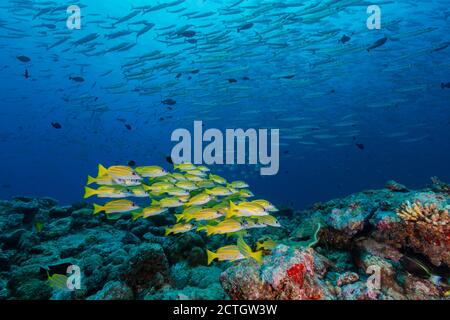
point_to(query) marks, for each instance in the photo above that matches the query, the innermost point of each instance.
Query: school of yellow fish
(200, 200)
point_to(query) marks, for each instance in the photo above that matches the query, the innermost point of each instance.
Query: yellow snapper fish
(193, 178)
(196, 172)
(184, 166)
(138, 192)
(226, 253)
(116, 206)
(58, 281)
(203, 168)
(179, 228)
(240, 193)
(175, 191)
(105, 180)
(217, 179)
(158, 187)
(238, 185)
(186, 185)
(234, 252)
(267, 221)
(224, 227)
(167, 178)
(106, 192)
(178, 176)
(200, 215)
(268, 244)
(219, 191)
(205, 184)
(148, 212)
(266, 205)
(171, 202)
(199, 199)
(245, 209)
(119, 173)
(222, 207)
(151, 171)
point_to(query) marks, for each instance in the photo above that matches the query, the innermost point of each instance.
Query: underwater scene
(224, 150)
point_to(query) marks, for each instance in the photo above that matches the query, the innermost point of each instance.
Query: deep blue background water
(406, 139)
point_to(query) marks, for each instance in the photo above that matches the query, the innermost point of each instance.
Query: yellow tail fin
(211, 256)
(101, 171)
(232, 210)
(179, 217)
(257, 256)
(91, 180)
(168, 231)
(245, 249)
(89, 192)
(210, 230)
(97, 208)
(259, 245)
(136, 215)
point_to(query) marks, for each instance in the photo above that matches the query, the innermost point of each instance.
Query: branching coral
(427, 216)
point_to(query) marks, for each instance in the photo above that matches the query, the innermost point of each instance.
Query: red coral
(297, 273)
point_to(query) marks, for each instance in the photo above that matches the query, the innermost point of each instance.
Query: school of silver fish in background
(220, 46)
(201, 201)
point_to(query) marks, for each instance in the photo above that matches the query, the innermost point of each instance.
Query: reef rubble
(374, 244)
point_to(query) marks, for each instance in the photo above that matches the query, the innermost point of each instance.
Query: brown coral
(427, 216)
(427, 231)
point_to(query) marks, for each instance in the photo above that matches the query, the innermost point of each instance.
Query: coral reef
(347, 249)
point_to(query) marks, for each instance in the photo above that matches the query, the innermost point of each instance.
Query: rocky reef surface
(350, 248)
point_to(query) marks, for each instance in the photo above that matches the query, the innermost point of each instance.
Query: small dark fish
(128, 126)
(187, 34)
(54, 269)
(23, 59)
(132, 163)
(345, 39)
(77, 79)
(161, 119)
(245, 78)
(192, 41)
(26, 74)
(445, 85)
(443, 46)
(332, 91)
(169, 159)
(415, 267)
(360, 146)
(178, 75)
(245, 26)
(169, 102)
(121, 120)
(56, 125)
(232, 80)
(377, 44)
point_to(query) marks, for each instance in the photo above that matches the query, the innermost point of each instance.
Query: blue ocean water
(349, 118)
